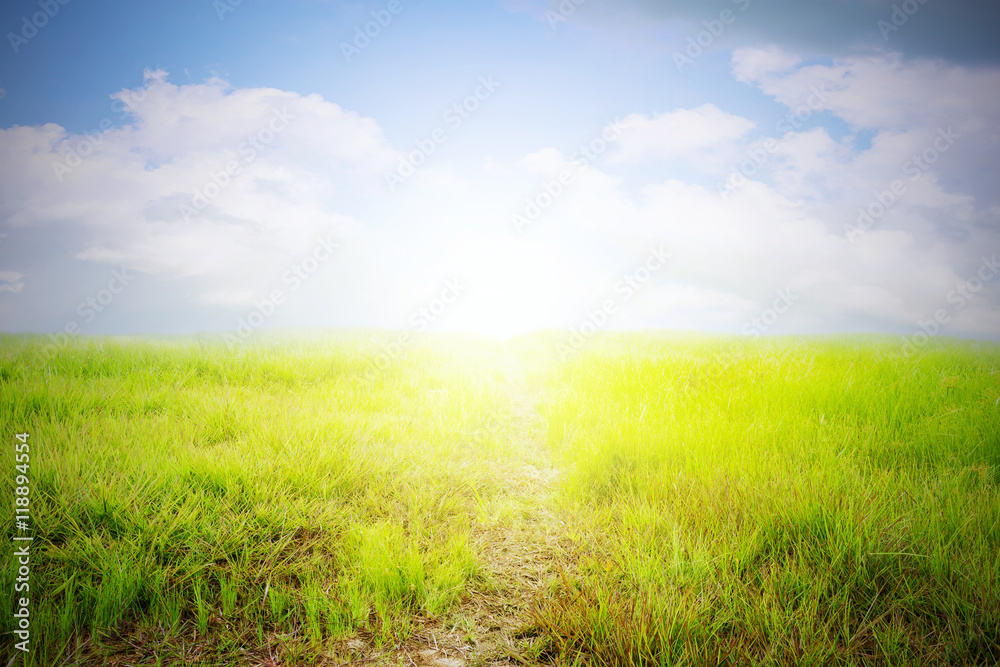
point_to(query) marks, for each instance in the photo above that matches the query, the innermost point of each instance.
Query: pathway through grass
(517, 535)
(710, 501)
(293, 503)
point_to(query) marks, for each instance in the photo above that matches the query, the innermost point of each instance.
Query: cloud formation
(690, 134)
(880, 217)
(794, 219)
(203, 181)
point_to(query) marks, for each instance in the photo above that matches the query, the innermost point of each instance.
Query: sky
(749, 167)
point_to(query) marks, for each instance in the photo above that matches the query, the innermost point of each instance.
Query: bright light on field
(513, 287)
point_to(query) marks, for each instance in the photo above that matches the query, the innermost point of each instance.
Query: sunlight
(513, 287)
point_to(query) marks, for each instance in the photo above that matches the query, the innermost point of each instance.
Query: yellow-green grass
(725, 501)
(281, 495)
(779, 502)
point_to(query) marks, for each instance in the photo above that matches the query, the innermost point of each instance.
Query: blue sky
(805, 167)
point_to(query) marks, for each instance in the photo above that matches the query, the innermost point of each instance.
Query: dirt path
(518, 538)
(523, 544)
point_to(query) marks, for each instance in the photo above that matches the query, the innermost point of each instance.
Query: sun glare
(513, 287)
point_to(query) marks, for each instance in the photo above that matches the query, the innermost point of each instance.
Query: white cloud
(10, 281)
(687, 306)
(879, 92)
(229, 298)
(685, 133)
(930, 126)
(750, 65)
(785, 228)
(298, 164)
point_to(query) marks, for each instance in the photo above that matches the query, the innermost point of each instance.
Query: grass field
(651, 500)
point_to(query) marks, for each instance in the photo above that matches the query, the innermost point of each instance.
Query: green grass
(291, 494)
(794, 502)
(786, 501)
